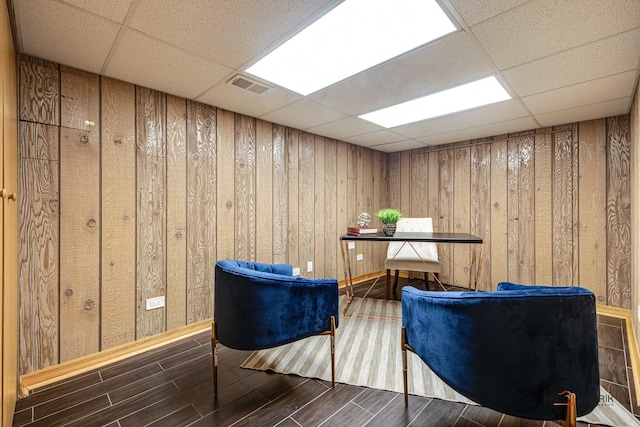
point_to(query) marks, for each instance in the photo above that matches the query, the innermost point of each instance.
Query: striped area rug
(368, 354)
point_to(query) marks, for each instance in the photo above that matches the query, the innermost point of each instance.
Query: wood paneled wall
(127, 193)
(552, 205)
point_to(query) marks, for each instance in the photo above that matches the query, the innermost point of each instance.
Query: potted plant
(389, 218)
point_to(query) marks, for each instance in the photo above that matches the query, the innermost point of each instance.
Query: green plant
(388, 215)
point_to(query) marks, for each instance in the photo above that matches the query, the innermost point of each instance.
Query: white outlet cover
(359, 257)
(309, 266)
(352, 245)
(296, 271)
(156, 302)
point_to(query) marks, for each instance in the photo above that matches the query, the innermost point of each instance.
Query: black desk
(408, 238)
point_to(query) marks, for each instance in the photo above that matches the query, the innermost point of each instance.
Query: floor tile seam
(424, 408)
(70, 408)
(602, 380)
(466, 407)
(271, 401)
(385, 405)
(177, 410)
(131, 398)
(328, 390)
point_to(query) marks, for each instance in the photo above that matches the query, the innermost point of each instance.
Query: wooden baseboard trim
(34, 380)
(634, 353)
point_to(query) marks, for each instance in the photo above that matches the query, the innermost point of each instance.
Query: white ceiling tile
(603, 58)
(611, 108)
(64, 34)
(409, 144)
(445, 63)
(228, 32)
(375, 138)
(594, 91)
(233, 98)
(540, 28)
(303, 115)
(145, 61)
(115, 10)
(498, 112)
(474, 11)
(522, 124)
(344, 128)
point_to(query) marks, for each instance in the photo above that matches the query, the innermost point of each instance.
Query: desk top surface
(417, 237)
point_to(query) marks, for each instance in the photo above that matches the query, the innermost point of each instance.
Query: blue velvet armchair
(259, 306)
(526, 351)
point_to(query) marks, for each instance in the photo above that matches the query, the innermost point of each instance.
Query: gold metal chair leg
(404, 366)
(570, 419)
(333, 351)
(214, 355)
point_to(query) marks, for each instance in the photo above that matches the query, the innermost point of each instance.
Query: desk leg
(348, 278)
(476, 267)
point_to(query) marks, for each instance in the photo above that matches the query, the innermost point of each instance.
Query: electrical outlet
(296, 271)
(352, 245)
(359, 257)
(153, 303)
(309, 266)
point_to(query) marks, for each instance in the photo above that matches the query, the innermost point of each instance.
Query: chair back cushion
(260, 306)
(512, 350)
(401, 251)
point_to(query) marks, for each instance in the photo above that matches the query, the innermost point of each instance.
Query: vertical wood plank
(562, 210)
(225, 186)
(320, 223)
(481, 210)
(151, 209)
(592, 200)
(433, 188)
(118, 182)
(341, 209)
(292, 150)
(280, 195)
(461, 215)
(513, 209)
(379, 197)
(264, 192)
(526, 203)
(499, 213)
(332, 259)
(543, 209)
(368, 182)
(405, 182)
(80, 100)
(79, 244)
(176, 300)
(39, 91)
(618, 213)
(38, 198)
(201, 209)
(306, 205)
(245, 178)
(351, 203)
(446, 220)
(419, 183)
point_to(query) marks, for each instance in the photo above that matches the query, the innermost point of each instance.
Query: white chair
(414, 256)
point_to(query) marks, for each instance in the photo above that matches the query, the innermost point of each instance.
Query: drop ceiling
(562, 61)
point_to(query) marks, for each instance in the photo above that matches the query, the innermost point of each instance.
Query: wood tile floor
(172, 386)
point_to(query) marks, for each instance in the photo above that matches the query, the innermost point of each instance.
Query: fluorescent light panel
(352, 37)
(470, 95)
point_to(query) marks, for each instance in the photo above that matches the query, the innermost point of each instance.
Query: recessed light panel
(352, 37)
(471, 95)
